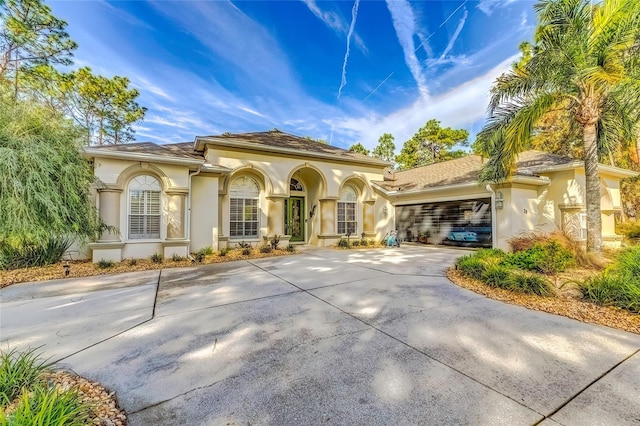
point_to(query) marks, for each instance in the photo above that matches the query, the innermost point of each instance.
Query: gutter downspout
(494, 216)
(191, 174)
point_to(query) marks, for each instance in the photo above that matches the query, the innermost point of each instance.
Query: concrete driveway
(335, 337)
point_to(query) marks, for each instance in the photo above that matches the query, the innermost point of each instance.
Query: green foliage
(359, 148)
(356, 243)
(584, 61)
(104, 107)
(177, 258)
(132, 262)
(343, 243)
(223, 251)
(471, 266)
(19, 370)
(246, 251)
(266, 249)
(45, 183)
(156, 258)
(207, 251)
(291, 248)
(44, 405)
(496, 276)
(432, 144)
(22, 253)
(531, 283)
(630, 229)
(385, 148)
(31, 35)
(105, 264)
(547, 258)
(618, 285)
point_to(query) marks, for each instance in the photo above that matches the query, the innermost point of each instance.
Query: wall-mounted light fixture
(385, 211)
(499, 200)
(312, 212)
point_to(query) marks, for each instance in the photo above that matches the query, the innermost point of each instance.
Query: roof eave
(201, 141)
(616, 171)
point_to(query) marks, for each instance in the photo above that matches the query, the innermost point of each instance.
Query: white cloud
(488, 6)
(455, 35)
(354, 16)
(334, 21)
(460, 107)
(404, 23)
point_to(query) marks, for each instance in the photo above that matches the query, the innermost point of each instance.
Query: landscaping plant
(19, 370)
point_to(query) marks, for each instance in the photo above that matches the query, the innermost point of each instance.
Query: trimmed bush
(471, 266)
(105, 264)
(246, 251)
(223, 251)
(156, 258)
(496, 276)
(43, 405)
(356, 243)
(19, 370)
(23, 254)
(207, 251)
(265, 249)
(630, 229)
(547, 258)
(527, 282)
(177, 258)
(343, 243)
(133, 262)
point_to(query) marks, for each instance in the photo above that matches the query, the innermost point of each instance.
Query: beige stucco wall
(204, 225)
(519, 214)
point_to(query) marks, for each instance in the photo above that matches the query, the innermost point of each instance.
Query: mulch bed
(566, 304)
(85, 268)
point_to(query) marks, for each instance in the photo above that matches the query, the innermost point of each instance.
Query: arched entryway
(306, 188)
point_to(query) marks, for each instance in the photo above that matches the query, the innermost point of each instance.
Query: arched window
(295, 185)
(347, 208)
(144, 207)
(243, 208)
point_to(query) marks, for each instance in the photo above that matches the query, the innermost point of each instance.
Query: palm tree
(584, 59)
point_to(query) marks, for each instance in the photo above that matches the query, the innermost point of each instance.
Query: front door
(294, 218)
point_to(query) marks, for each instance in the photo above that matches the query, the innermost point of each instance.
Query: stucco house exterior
(220, 190)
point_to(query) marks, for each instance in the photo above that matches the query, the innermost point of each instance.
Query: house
(221, 190)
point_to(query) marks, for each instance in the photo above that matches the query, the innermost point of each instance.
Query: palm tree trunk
(592, 184)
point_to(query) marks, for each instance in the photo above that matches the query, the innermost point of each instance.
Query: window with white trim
(144, 207)
(347, 210)
(243, 208)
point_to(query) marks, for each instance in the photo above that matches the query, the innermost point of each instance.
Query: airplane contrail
(354, 16)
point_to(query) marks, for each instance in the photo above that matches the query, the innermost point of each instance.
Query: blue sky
(343, 71)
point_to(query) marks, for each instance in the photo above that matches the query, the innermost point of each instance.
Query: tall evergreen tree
(385, 148)
(432, 144)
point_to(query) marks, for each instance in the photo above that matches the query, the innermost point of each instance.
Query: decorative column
(368, 218)
(109, 212)
(328, 216)
(275, 216)
(175, 214)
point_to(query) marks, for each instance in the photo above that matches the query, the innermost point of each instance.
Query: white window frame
(582, 221)
(244, 208)
(347, 214)
(147, 208)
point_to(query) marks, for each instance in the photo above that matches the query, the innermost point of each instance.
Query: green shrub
(496, 276)
(246, 251)
(628, 262)
(156, 258)
(547, 258)
(471, 266)
(105, 264)
(133, 262)
(199, 257)
(343, 243)
(206, 251)
(43, 405)
(19, 370)
(630, 229)
(531, 283)
(243, 245)
(613, 288)
(177, 258)
(223, 251)
(265, 249)
(24, 253)
(355, 243)
(291, 248)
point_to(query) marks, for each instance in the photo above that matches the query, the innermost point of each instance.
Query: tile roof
(466, 170)
(278, 139)
(174, 150)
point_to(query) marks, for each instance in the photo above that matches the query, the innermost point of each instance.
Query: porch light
(67, 268)
(499, 200)
(312, 212)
